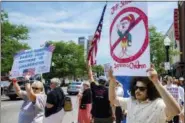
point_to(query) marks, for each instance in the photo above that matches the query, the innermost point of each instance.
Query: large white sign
(36, 61)
(129, 38)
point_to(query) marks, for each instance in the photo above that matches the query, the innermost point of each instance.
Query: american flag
(29, 71)
(51, 48)
(94, 44)
(19, 53)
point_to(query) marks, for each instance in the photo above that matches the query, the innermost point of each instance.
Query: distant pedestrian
(182, 82)
(178, 94)
(32, 110)
(85, 104)
(54, 111)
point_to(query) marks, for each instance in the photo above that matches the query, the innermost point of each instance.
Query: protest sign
(129, 43)
(31, 62)
(174, 91)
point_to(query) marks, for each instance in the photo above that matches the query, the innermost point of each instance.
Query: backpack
(68, 104)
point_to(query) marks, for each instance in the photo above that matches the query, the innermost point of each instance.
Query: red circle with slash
(142, 17)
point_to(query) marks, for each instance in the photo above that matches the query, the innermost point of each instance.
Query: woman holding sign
(32, 110)
(150, 102)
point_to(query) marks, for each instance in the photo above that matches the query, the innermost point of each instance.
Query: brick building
(180, 66)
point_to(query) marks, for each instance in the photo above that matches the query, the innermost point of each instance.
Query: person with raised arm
(101, 107)
(32, 110)
(150, 102)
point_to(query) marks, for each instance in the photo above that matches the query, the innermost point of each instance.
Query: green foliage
(11, 36)
(158, 51)
(68, 58)
(98, 69)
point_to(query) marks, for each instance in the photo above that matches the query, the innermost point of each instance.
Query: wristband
(14, 81)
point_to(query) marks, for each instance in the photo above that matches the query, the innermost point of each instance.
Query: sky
(65, 21)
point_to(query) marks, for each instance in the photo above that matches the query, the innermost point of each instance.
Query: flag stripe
(94, 44)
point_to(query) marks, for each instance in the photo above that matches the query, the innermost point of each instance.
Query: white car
(74, 88)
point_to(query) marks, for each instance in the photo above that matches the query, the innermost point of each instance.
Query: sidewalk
(72, 117)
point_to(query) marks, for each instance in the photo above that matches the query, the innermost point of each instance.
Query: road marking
(10, 104)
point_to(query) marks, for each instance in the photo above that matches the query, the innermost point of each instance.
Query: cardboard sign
(31, 62)
(174, 91)
(129, 39)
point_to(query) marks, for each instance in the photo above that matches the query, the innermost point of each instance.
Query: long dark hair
(152, 92)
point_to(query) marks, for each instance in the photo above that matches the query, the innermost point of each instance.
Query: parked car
(11, 90)
(20, 80)
(74, 88)
(4, 86)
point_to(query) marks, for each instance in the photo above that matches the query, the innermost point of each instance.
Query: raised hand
(111, 73)
(14, 80)
(27, 77)
(152, 74)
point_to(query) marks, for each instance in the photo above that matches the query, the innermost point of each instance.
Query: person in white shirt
(181, 92)
(182, 82)
(150, 102)
(177, 92)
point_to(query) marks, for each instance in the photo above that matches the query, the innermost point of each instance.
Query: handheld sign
(31, 62)
(129, 43)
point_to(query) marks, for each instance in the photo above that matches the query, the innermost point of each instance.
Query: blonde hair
(39, 85)
(86, 83)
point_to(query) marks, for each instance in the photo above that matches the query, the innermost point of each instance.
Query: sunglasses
(34, 88)
(140, 88)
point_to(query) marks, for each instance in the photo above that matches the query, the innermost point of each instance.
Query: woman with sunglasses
(150, 102)
(32, 110)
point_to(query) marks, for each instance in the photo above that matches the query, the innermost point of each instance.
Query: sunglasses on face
(34, 88)
(140, 88)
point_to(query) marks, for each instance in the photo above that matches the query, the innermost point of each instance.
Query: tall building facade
(176, 44)
(89, 40)
(81, 41)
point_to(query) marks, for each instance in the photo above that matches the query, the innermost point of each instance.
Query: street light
(53, 64)
(167, 42)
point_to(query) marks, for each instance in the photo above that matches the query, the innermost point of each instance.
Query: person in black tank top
(101, 108)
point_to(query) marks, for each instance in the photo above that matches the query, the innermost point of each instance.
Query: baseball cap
(102, 80)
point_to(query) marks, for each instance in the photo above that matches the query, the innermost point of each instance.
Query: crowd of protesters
(151, 100)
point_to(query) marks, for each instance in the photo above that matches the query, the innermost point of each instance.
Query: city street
(10, 110)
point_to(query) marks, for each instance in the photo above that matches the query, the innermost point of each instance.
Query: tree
(68, 58)
(10, 41)
(157, 49)
(98, 69)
